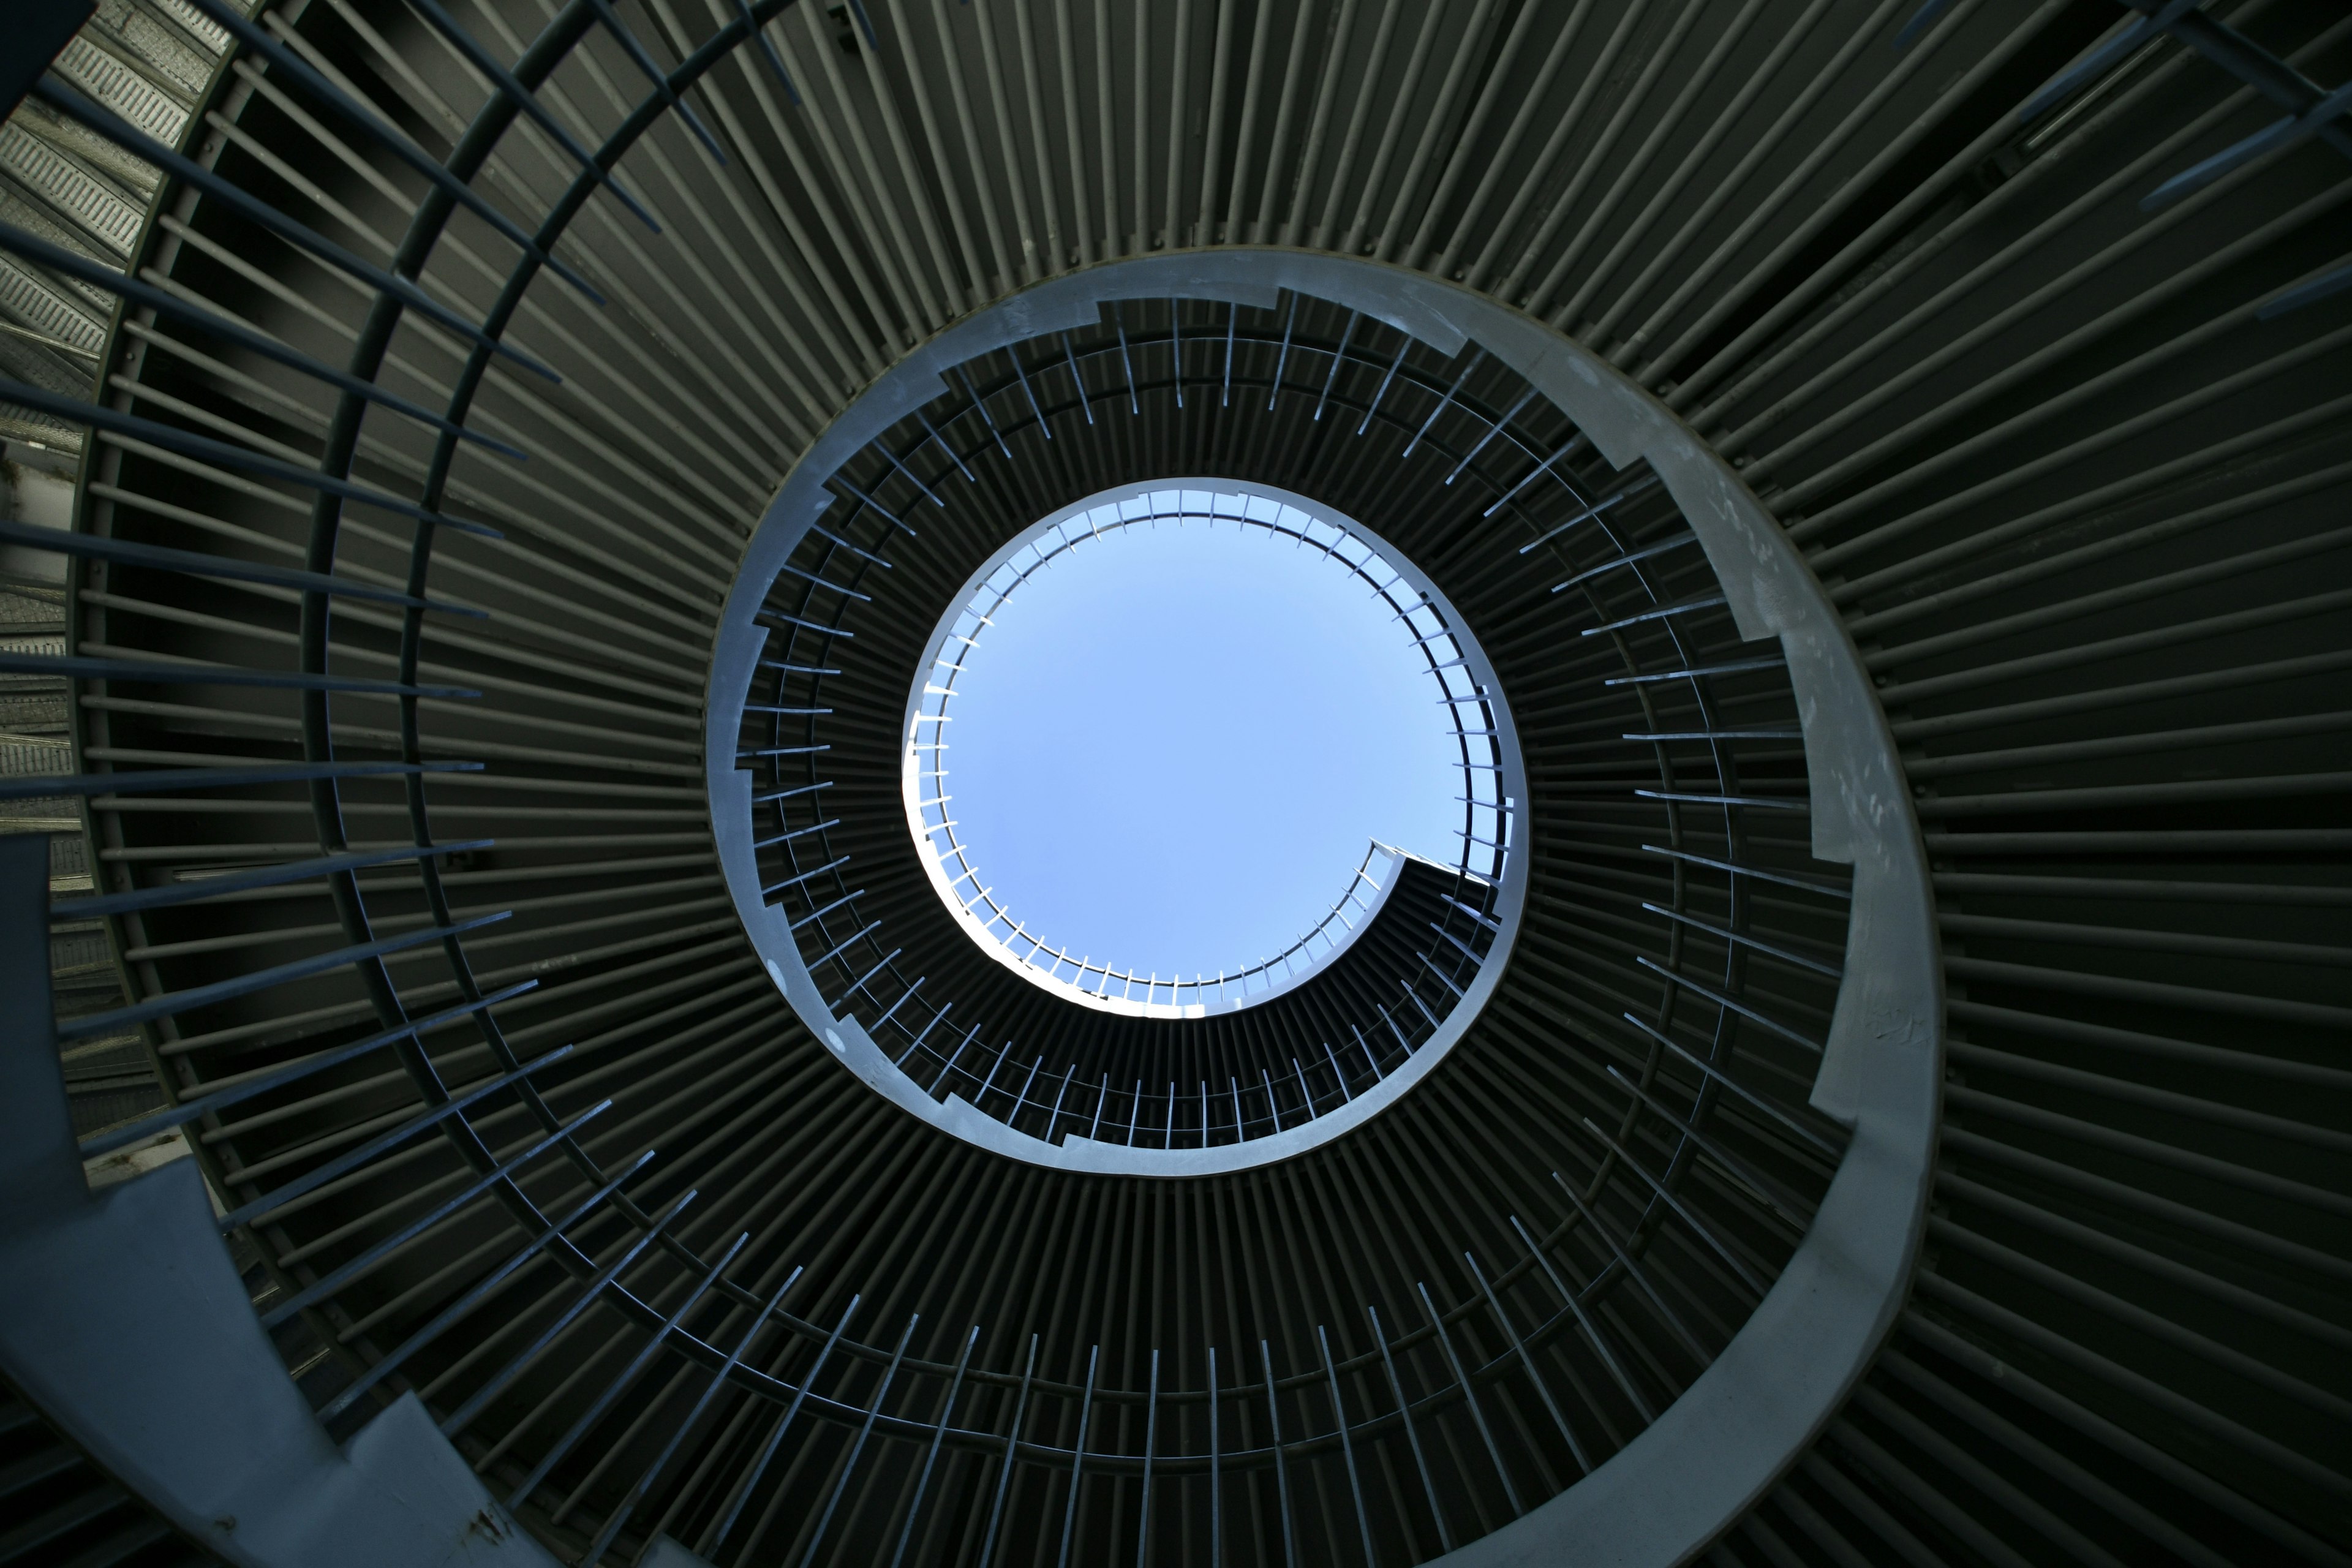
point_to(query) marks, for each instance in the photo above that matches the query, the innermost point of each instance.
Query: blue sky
(1171, 747)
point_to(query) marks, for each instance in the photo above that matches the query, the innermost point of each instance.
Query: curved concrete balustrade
(126, 1324)
(1748, 1418)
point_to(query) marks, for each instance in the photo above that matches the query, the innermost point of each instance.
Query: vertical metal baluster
(1532, 475)
(1411, 1437)
(1394, 365)
(1785, 1205)
(1232, 319)
(70, 102)
(1518, 1346)
(1003, 1055)
(1632, 1269)
(1013, 353)
(1338, 357)
(1591, 1329)
(948, 446)
(396, 142)
(1078, 1456)
(1347, 1448)
(1150, 1439)
(1281, 1470)
(912, 477)
(1216, 1479)
(1442, 404)
(1084, 402)
(939, 1436)
(758, 35)
(588, 1296)
(1134, 403)
(487, 64)
(1589, 514)
(1176, 345)
(1011, 1440)
(636, 1494)
(857, 1446)
(1492, 431)
(1778, 1114)
(627, 1374)
(986, 417)
(1346, 1094)
(1470, 1397)
(926, 1028)
(659, 77)
(961, 1047)
(1706, 1233)
(768, 1449)
(1282, 361)
(504, 1171)
(1021, 1100)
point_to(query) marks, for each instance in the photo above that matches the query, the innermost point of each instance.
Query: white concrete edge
(1664, 1497)
(799, 503)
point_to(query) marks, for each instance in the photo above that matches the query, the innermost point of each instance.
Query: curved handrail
(1342, 540)
(1746, 1420)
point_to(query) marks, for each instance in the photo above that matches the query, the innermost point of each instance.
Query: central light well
(1170, 827)
(1170, 749)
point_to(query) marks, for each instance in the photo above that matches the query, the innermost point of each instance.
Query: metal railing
(1491, 1391)
(961, 880)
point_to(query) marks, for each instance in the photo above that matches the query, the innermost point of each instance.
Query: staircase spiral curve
(1869, 1091)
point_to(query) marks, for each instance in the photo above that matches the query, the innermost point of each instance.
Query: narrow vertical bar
(1150, 1441)
(627, 1374)
(1470, 1398)
(1591, 1329)
(1011, 1440)
(1338, 357)
(1086, 403)
(1281, 1470)
(1282, 361)
(1382, 391)
(985, 416)
(1176, 345)
(857, 1447)
(768, 1450)
(1232, 319)
(1682, 1332)
(1443, 402)
(1078, 1457)
(938, 1434)
(1347, 1447)
(1134, 406)
(587, 1297)
(1411, 1437)
(1029, 392)
(1216, 1493)
(718, 1379)
(1528, 1361)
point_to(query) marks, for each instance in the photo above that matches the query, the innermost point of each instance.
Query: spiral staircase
(491, 1074)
